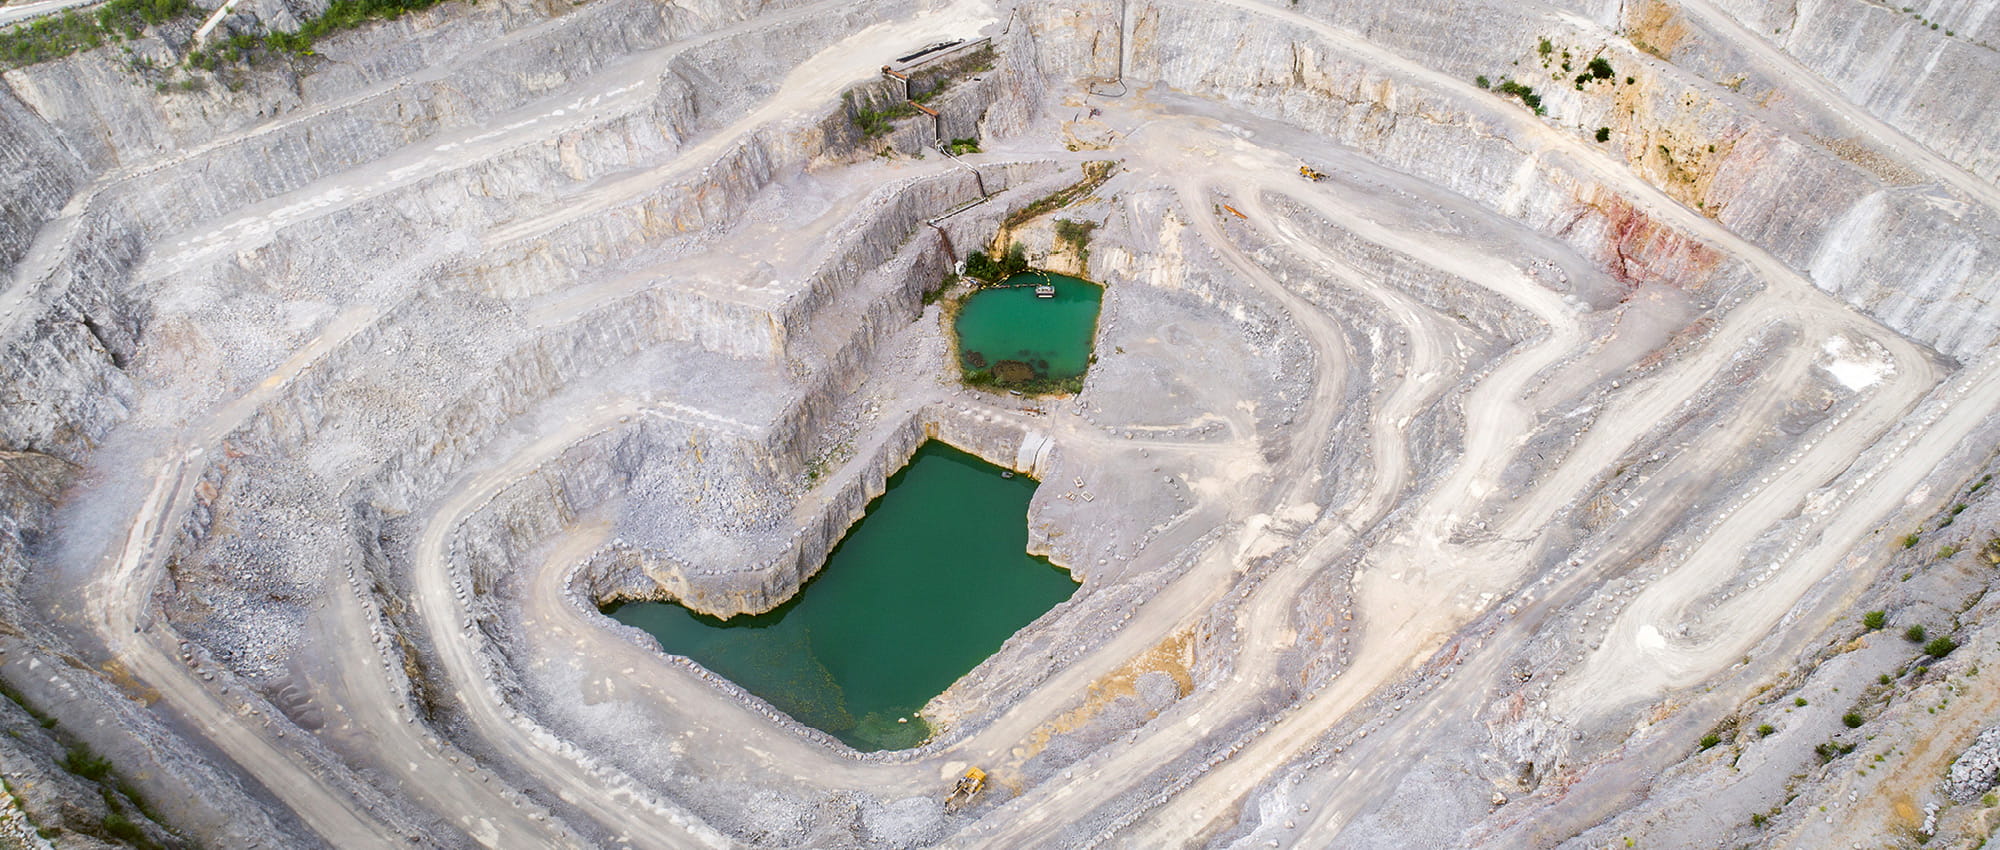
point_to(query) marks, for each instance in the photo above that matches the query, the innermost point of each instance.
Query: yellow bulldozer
(1309, 173)
(967, 787)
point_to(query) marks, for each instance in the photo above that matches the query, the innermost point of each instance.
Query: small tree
(1482, 82)
(1940, 646)
(1874, 620)
(1852, 719)
(1016, 260)
(1914, 634)
(979, 265)
(1604, 134)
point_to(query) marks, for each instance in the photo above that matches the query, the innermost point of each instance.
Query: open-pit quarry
(1509, 423)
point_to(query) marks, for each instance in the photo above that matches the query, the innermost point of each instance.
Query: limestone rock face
(1469, 432)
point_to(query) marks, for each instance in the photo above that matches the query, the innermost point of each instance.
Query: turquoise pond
(1052, 336)
(928, 584)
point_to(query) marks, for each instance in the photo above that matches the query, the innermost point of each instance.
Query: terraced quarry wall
(1561, 440)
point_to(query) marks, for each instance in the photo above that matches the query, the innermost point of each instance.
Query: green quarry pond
(928, 584)
(1010, 324)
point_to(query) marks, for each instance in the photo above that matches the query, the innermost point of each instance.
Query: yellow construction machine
(967, 787)
(1309, 173)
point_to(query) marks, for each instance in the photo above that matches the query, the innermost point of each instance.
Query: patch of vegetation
(1874, 620)
(1764, 730)
(1604, 134)
(1830, 750)
(961, 147)
(82, 762)
(1033, 384)
(1799, 701)
(1526, 94)
(1095, 173)
(1076, 234)
(934, 79)
(1910, 540)
(1940, 646)
(934, 293)
(1710, 740)
(56, 36)
(342, 15)
(1600, 69)
(122, 827)
(1482, 82)
(876, 122)
(1914, 634)
(1852, 720)
(980, 265)
(1545, 47)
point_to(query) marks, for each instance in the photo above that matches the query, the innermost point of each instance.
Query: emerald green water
(1051, 335)
(928, 584)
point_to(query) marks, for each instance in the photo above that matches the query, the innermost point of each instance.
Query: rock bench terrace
(1506, 423)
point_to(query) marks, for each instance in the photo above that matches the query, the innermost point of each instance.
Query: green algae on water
(927, 585)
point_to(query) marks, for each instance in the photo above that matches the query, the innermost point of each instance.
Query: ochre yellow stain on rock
(1173, 656)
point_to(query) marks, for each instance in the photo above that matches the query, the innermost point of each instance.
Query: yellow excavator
(1309, 173)
(967, 787)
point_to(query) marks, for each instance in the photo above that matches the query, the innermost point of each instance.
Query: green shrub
(1874, 620)
(983, 267)
(1764, 730)
(1076, 233)
(1909, 540)
(1914, 634)
(1015, 261)
(1482, 82)
(871, 122)
(1526, 94)
(348, 14)
(1600, 68)
(961, 147)
(1604, 134)
(1851, 720)
(82, 762)
(1545, 47)
(1940, 646)
(1710, 740)
(122, 827)
(1799, 701)
(56, 36)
